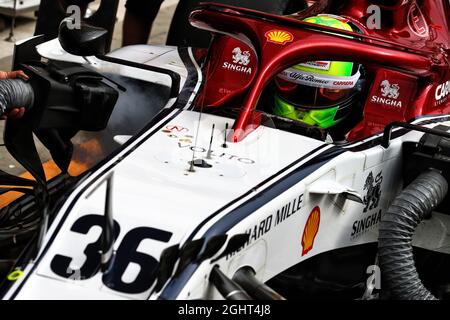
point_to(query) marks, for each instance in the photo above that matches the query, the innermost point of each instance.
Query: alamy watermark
(374, 20)
(74, 13)
(75, 274)
(374, 280)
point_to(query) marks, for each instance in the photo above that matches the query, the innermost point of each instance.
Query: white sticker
(319, 65)
(320, 80)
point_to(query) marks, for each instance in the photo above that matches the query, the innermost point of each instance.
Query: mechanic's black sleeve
(144, 9)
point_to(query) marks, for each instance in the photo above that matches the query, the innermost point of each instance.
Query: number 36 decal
(126, 253)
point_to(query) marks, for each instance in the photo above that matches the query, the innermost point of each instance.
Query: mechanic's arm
(17, 112)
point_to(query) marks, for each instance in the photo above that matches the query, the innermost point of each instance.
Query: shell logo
(279, 36)
(311, 230)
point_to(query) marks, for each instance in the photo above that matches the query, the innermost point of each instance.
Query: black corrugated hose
(15, 93)
(397, 227)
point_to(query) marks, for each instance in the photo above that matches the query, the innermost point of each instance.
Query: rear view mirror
(85, 41)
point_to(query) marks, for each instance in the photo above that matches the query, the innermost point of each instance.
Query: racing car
(235, 190)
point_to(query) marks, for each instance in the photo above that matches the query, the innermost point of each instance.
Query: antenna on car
(224, 145)
(107, 242)
(208, 155)
(192, 164)
(108, 234)
(200, 163)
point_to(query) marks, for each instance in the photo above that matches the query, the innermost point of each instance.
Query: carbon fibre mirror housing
(85, 41)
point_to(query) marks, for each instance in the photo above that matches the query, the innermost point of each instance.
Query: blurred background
(26, 23)
(25, 27)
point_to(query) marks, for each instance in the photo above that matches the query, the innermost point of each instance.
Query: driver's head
(319, 93)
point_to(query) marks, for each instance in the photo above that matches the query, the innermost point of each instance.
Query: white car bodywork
(267, 186)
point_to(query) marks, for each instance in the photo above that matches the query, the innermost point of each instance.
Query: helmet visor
(322, 118)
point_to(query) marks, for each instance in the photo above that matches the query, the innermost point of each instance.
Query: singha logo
(388, 90)
(239, 57)
(390, 94)
(373, 195)
(241, 60)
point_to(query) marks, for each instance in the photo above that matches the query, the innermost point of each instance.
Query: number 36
(126, 253)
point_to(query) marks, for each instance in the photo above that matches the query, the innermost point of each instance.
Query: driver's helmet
(319, 93)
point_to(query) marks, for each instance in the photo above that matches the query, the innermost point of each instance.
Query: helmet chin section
(324, 117)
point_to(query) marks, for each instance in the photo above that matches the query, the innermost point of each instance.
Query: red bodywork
(410, 51)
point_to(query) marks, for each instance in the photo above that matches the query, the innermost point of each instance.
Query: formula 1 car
(217, 197)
